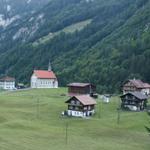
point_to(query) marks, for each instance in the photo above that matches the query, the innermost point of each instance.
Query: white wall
(9, 85)
(43, 83)
(78, 113)
(146, 91)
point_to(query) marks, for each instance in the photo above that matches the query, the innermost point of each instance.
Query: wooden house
(81, 106)
(81, 89)
(7, 83)
(135, 101)
(136, 86)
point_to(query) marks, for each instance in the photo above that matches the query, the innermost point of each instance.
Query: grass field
(31, 120)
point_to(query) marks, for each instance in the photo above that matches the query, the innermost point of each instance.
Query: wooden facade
(135, 101)
(136, 86)
(81, 89)
(81, 106)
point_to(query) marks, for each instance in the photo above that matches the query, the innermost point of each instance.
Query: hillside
(13, 11)
(26, 124)
(112, 45)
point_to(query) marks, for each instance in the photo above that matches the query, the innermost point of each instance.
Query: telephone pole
(37, 108)
(66, 137)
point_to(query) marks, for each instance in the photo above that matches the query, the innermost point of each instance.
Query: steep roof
(43, 74)
(84, 99)
(139, 84)
(79, 84)
(138, 95)
(7, 78)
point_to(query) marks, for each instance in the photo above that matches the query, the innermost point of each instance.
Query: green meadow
(31, 120)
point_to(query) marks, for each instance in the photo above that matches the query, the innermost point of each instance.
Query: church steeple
(49, 66)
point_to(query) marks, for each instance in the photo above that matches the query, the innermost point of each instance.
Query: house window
(85, 108)
(70, 107)
(72, 102)
(78, 103)
(76, 108)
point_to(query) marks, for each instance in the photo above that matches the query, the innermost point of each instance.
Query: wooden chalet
(81, 89)
(136, 86)
(81, 106)
(135, 101)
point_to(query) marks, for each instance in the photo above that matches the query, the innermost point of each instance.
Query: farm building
(136, 85)
(135, 101)
(81, 106)
(7, 83)
(81, 89)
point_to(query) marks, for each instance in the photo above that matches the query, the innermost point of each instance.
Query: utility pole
(37, 108)
(118, 112)
(118, 117)
(99, 109)
(66, 138)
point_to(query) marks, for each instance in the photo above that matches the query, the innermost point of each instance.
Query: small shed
(106, 98)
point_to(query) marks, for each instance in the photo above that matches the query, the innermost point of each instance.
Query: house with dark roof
(136, 86)
(44, 79)
(7, 83)
(81, 89)
(81, 106)
(135, 101)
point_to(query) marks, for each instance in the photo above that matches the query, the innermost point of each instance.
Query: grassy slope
(22, 129)
(69, 29)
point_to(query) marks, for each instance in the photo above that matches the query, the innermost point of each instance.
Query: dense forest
(98, 41)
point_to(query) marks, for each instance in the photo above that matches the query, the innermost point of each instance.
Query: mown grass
(25, 125)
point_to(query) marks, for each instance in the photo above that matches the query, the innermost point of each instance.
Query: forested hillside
(104, 42)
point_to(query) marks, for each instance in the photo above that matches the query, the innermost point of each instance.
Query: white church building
(44, 79)
(7, 83)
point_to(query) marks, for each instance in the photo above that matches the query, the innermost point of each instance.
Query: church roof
(44, 74)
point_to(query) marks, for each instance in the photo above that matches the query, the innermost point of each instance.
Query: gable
(129, 84)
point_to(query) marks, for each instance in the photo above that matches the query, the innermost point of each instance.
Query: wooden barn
(135, 101)
(81, 89)
(81, 106)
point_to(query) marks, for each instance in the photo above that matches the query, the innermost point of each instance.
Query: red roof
(43, 74)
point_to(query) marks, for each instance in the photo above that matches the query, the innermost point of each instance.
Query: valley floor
(31, 120)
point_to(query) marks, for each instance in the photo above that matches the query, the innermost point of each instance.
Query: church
(44, 79)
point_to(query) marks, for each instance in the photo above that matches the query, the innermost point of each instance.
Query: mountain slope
(12, 10)
(112, 47)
